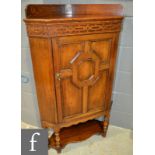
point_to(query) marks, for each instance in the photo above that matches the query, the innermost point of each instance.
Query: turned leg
(57, 140)
(105, 124)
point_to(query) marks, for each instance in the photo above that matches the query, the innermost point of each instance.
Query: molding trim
(73, 28)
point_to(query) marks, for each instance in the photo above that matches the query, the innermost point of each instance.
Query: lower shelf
(77, 133)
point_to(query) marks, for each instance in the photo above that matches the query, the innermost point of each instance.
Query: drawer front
(83, 67)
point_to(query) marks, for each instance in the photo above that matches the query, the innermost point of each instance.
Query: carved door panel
(82, 73)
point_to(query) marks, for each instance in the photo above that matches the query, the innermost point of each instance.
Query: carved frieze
(37, 30)
(72, 28)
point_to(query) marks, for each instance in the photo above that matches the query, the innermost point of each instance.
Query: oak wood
(77, 133)
(44, 78)
(74, 51)
(56, 12)
(85, 98)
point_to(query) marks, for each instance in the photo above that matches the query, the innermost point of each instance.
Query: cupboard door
(82, 73)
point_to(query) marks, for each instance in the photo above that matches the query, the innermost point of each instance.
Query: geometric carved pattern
(37, 30)
(78, 61)
(78, 28)
(72, 28)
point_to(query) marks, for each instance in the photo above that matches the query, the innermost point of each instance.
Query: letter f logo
(32, 141)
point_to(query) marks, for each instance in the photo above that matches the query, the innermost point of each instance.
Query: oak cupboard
(73, 50)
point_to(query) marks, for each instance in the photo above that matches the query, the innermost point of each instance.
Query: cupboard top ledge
(77, 12)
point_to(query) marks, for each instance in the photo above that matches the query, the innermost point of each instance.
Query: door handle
(58, 76)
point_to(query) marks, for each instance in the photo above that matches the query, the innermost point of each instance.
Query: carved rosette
(72, 28)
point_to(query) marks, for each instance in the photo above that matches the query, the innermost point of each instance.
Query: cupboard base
(77, 133)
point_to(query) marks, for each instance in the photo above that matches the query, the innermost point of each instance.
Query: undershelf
(77, 133)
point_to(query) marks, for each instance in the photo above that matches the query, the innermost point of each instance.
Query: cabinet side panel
(41, 54)
(111, 71)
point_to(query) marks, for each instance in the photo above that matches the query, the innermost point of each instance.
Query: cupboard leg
(57, 140)
(59, 150)
(105, 124)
